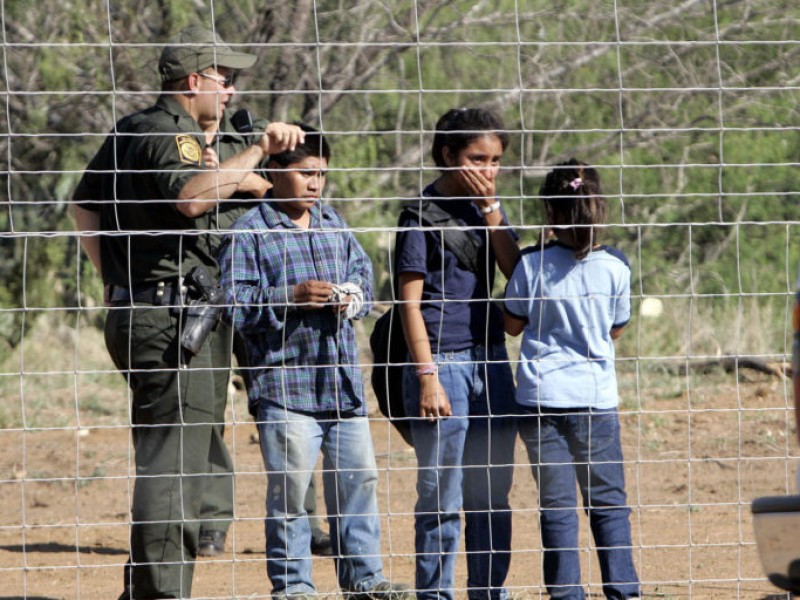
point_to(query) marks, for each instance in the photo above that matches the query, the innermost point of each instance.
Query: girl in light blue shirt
(570, 299)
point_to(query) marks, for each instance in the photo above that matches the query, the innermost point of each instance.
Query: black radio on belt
(203, 308)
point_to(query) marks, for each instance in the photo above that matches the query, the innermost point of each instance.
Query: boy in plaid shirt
(295, 278)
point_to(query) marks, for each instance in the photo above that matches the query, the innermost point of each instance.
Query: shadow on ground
(27, 598)
(54, 548)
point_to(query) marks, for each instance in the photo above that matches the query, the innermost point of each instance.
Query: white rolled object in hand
(356, 297)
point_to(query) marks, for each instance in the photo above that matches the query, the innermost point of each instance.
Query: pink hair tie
(576, 183)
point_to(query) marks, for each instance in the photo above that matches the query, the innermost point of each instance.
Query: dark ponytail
(572, 196)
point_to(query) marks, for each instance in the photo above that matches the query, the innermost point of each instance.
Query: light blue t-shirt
(571, 306)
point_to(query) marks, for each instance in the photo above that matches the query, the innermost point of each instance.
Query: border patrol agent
(156, 210)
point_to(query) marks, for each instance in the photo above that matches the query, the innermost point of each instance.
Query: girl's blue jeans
(465, 459)
(565, 445)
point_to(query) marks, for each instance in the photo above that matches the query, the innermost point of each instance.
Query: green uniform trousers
(184, 474)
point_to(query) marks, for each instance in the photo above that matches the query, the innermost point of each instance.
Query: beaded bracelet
(426, 369)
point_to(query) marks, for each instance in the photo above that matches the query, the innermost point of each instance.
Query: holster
(202, 309)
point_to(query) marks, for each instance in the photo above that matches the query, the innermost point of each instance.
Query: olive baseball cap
(195, 49)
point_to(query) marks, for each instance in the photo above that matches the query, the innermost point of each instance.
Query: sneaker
(385, 590)
(321, 544)
(298, 596)
(211, 543)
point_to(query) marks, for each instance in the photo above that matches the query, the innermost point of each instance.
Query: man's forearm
(204, 191)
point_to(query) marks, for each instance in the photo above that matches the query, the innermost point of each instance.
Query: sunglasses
(228, 81)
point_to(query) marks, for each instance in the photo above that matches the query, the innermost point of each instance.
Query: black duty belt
(158, 294)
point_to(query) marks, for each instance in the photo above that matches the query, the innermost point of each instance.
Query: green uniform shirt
(134, 180)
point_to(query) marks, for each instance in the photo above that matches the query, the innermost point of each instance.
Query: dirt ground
(698, 450)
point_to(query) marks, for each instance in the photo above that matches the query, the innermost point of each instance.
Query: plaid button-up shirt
(305, 360)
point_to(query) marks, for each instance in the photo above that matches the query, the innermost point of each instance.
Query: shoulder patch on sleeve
(189, 149)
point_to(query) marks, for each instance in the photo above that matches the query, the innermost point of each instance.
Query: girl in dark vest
(459, 383)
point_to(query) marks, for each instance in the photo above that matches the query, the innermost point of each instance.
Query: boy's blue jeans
(466, 458)
(290, 444)
(568, 444)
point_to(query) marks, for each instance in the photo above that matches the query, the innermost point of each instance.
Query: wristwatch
(491, 208)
